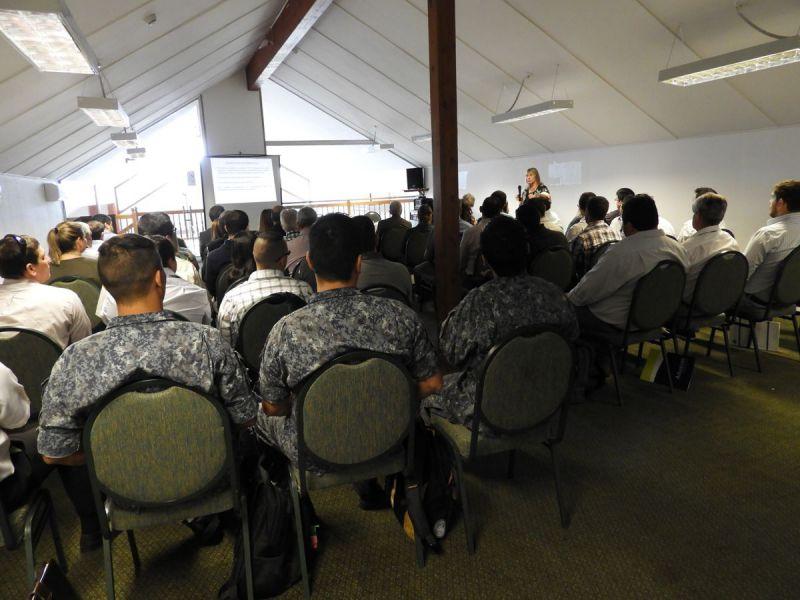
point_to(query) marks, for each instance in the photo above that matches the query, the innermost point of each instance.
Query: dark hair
(164, 247)
(215, 211)
(126, 264)
(596, 209)
(269, 247)
(333, 247)
(528, 214)
(703, 190)
(97, 230)
(711, 208)
(623, 193)
(584, 198)
(424, 212)
(16, 253)
(276, 214)
(789, 192)
(641, 212)
(365, 230)
(265, 221)
(234, 221)
(242, 261)
(504, 246)
(493, 205)
(499, 194)
(156, 223)
(102, 218)
(541, 204)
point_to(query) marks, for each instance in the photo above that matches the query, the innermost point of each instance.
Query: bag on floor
(681, 367)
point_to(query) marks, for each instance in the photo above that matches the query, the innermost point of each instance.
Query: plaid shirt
(290, 235)
(260, 285)
(590, 239)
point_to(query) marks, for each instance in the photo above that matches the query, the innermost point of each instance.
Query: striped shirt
(261, 284)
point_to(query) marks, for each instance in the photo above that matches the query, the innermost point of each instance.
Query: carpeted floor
(695, 495)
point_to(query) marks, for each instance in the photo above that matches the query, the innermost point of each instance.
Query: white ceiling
(365, 63)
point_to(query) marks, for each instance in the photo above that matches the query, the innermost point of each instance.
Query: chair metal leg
(727, 348)
(30, 562)
(301, 542)
(666, 363)
(557, 476)
(62, 559)
(246, 542)
(420, 548)
(685, 347)
(512, 456)
(640, 352)
(137, 564)
(796, 331)
(616, 375)
(108, 563)
(462, 490)
(675, 342)
(755, 345)
(711, 341)
(624, 356)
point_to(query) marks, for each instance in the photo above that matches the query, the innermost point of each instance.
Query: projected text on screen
(242, 180)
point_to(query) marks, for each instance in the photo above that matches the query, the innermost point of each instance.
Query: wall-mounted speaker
(52, 192)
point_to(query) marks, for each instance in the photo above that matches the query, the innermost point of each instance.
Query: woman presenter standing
(536, 190)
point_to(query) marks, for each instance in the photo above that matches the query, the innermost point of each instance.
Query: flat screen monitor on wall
(415, 179)
(246, 179)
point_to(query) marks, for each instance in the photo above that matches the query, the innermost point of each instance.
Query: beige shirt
(56, 312)
(14, 412)
(700, 248)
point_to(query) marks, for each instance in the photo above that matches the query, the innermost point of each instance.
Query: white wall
(24, 208)
(741, 166)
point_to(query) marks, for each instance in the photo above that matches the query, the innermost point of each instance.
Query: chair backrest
(657, 296)
(599, 251)
(786, 289)
(387, 291)
(373, 216)
(416, 243)
(355, 410)
(86, 290)
(524, 380)
(720, 284)
(553, 265)
(224, 281)
(392, 244)
(30, 355)
(302, 272)
(258, 321)
(156, 443)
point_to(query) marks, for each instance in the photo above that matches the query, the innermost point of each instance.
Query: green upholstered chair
(355, 421)
(784, 296)
(87, 291)
(30, 355)
(159, 453)
(520, 402)
(718, 290)
(387, 291)
(256, 324)
(393, 243)
(25, 526)
(553, 265)
(415, 244)
(655, 301)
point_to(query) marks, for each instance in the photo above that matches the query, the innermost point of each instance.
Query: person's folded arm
(231, 383)
(276, 399)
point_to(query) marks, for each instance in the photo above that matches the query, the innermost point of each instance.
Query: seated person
(539, 237)
(66, 245)
(231, 222)
(395, 219)
(25, 300)
(708, 241)
(773, 242)
(270, 254)
(578, 224)
(487, 314)
(298, 246)
(603, 296)
(181, 297)
(425, 218)
(242, 264)
(97, 229)
(209, 235)
(142, 342)
(22, 470)
(375, 269)
(289, 223)
(663, 224)
(687, 229)
(159, 223)
(596, 233)
(338, 319)
(620, 196)
(472, 267)
(108, 225)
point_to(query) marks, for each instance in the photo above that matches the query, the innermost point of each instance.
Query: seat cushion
(394, 463)
(460, 436)
(121, 518)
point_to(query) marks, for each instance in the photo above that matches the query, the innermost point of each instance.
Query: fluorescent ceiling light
(134, 153)
(538, 110)
(43, 32)
(126, 139)
(423, 137)
(756, 58)
(106, 112)
(385, 146)
(324, 143)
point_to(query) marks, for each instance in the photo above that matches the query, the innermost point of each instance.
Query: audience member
(289, 223)
(276, 219)
(181, 297)
(473, 269)
(487, 314)
(298, 246)
(596, 234)
(270, 253)
(395, 219)
(425, 218)
(108, 225)
(231, 222)
(539, 237)
(578, 224)
(212, 233)
(242, 264)
(620, 195)
(467, 204)
(687, 229)
(265, 221)
(603, 296)
(663, 224)
(66, 245)
(375, 269)
(97, 229)
(773, 242)
(26, 302)
(159, 223)
(708, 239)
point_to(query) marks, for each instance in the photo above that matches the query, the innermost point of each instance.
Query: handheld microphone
(519, 191)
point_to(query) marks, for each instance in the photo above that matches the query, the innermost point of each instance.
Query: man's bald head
(395, 208)
(270, 251)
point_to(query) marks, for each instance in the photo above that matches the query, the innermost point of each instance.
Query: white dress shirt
(14, 412)
(767, 248)
(259, 285)
(663, 225)
(688, 230)
(93, 250)
(551, 221)
(56, 312)
(700, 248)
(607, 289)
(180, 296)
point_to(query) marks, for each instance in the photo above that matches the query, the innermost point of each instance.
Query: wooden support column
(444, 127)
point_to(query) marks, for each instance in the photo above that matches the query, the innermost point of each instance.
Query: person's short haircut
(269, 248)
(500, 194)
(623, 193)
(789, 192)
(365, 229)
(126, 264)
(596, 209)
(97, 230)
(492, 206)
(541, 204)
(395, 208)
(711, 208)
(104, 219)
(215, 211)
(504, 246)
(156, 223)
(703, 190)
(640, 211)
(306, 217)
(289, 219)
(16, 253)
(165, 249)
(528, 214)
(424, 211)
(234, 221)
(584, 198)
(333, 247)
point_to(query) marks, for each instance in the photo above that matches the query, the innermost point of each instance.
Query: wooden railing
(188, 223)
(359, 206)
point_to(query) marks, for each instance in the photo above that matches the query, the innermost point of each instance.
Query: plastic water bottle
(439, 528)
